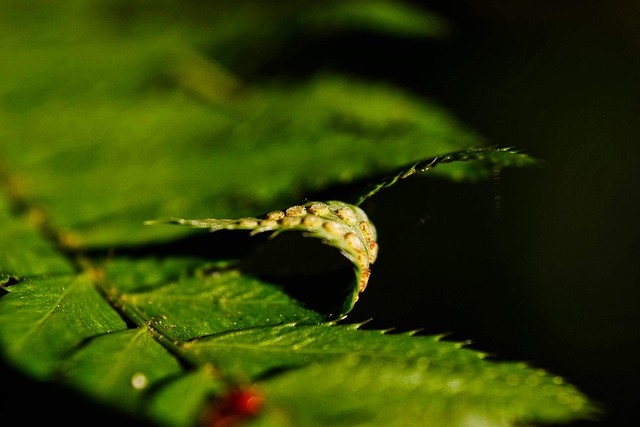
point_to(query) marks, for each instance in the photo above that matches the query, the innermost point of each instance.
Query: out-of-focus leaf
(412, 393)
(180, 402)
(146, 125)
(379, 16)
(119, 368)
(165, 156)
(412, 378)
(24, 251)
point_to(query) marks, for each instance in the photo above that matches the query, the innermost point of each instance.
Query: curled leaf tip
(341, 225)
(337, 224)
(496, 156)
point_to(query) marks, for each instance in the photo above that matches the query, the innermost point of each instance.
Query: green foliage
(115, 113)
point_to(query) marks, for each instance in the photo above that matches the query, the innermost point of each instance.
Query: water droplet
(139, 380)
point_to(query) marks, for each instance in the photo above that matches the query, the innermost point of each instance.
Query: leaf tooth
(338, 320)
(463, 344)
(359, 325)
(440, 337)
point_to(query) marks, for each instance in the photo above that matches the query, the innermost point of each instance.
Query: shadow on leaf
(315, 274)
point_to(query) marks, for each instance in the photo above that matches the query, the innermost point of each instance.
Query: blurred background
(537, 264)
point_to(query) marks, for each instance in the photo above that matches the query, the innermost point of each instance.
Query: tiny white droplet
(139, 381)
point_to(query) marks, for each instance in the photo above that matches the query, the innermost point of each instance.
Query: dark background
(538, 265)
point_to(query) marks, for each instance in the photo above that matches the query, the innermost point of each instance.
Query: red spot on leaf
(234, 408)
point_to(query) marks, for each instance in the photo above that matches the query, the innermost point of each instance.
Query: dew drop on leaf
(139, 380)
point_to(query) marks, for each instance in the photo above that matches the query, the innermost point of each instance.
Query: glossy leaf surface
(115, 113)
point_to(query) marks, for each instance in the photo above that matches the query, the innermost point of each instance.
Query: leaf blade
(44, 319)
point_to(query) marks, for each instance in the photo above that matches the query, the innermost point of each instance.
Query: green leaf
(377, 15)
(210, 303)
(179, 401)
(338, 224)
(338, 121)
(27, 252)
(495, 158)
(295, 345)
(410, 393)
(44, 319)
(413, 378)
(335, 223)
(113, 113)
(119, 368)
